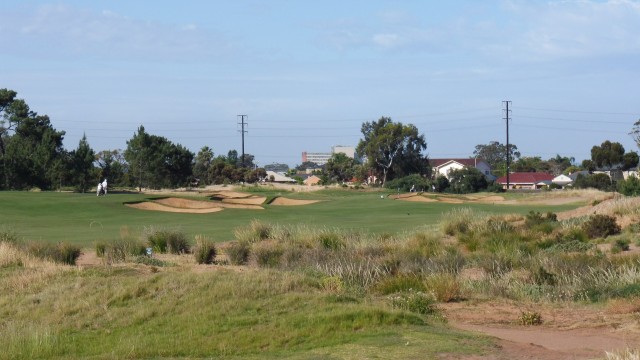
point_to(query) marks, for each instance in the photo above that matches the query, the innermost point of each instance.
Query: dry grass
(34, 272)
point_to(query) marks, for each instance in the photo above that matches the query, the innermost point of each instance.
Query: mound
(494, 198)
(148, 205)
(230, 195)
(292, 202)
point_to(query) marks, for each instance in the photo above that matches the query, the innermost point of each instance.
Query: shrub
(330, 240)
(256, 231)
(332, 284)
(630, 186)
(64, 253)
(267, 254)
(119, 250)
(414, 301)
(238, 252)
(170, 241)
(405, 183)
(444, 287)
(620, 245)
(205, 251)
(9, 236)
(601, 226)
(530, 318)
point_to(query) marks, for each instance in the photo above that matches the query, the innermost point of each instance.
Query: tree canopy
(495, 154)
(393, 149)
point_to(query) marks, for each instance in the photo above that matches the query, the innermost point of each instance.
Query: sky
(308, 73)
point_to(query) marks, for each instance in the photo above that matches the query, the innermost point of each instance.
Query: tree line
(32, 156)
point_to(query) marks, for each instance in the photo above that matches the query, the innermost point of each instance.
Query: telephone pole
(243, 131)
(507, 112)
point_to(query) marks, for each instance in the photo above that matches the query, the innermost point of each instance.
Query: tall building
(322, 158)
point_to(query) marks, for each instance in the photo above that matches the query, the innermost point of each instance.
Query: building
(526, 180)
(445, 166)
(322, 158)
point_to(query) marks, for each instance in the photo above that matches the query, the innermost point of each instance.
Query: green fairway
(85, 218)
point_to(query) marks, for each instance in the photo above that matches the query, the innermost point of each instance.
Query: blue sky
(308, 74)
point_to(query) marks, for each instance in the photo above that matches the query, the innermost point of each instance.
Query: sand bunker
(186, 203)
(230, 195)
(153, 206)
(253, 200)
(419, 199)
(292, 202)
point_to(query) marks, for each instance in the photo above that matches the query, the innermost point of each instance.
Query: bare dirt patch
(282, 201)
(568, 331)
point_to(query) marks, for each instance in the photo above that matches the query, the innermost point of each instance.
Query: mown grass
(84, 218)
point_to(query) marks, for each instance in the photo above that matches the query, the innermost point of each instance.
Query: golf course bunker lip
(182, 205)
(257, 200)
(282, 201)
(153, 206)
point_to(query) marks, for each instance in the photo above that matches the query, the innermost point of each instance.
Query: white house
(562, 180)
(444, 166)
(279, 178)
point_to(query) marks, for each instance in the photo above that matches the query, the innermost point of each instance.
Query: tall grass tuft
(63, 253)
(204, 251)
(267, 254)
(238, 252)
(167, 241)
(256, 231)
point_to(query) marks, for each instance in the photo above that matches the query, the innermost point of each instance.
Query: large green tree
(30, 148)
(612, 156)
(340, 167)
(392, 148)
(495, 154)
(82, 168)
(156, 162)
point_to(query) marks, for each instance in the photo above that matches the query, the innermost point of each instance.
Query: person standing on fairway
(99, 189)
(104, 186)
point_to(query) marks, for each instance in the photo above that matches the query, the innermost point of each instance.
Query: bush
(255, 232)
(170, 241)
(444, 287)
(601, 226)
(119, 250)
(530, 318)
(420, 183)
(330, 240)
(620, 245)
(9, 236)
(534, 218)
(205, 251)
(238, 252)
(267, 254)
(417, 302)
(629, 187)
(64, 253)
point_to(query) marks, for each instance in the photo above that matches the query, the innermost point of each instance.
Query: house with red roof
(445, 166)
(526, 180)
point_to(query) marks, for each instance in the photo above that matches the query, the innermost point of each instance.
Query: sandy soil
(186, 203)
(568, 331)
(282, 201)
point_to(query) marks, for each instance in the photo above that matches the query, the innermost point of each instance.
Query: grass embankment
(134, 311)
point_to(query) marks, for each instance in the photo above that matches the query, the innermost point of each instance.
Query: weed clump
(530, 318)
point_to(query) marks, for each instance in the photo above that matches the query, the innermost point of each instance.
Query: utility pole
(507, 112)
(243, 131)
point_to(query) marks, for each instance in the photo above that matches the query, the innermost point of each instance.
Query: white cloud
(386, 40)
(61, 31)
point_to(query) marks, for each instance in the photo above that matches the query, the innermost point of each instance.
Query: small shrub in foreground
(530, 318)
(9, 236)
(238, 252)
(170, 241)
(267, 254)
(444, 287)
(119, 250)
(205, 251)
(601, 226)
(417, 302)
(256, 231)
(620, 245)
(64, 253)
